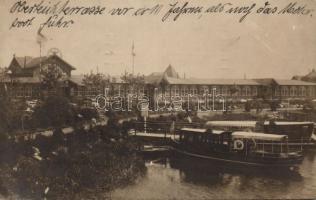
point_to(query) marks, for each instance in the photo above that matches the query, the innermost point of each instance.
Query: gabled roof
(171, 72)
(154, 78)
(22, 61)
(29, 62)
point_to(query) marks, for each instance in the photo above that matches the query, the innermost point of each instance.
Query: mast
(133, 57)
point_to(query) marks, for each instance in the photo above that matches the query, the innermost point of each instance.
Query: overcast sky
(212, 46)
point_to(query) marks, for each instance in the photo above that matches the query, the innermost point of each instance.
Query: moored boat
(244, 148)
(299, 133)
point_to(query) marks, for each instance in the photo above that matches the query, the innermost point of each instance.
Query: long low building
(23, 80)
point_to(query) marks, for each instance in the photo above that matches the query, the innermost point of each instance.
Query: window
(184, 91)
(245, 91)
(302, 91)
(293, 91)
(193, 91)
(254, 91)
(284, 91)
(205, 90)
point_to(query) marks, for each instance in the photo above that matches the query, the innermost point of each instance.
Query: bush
(54, 112)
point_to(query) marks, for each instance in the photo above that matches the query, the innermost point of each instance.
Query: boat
(238, 147)
(299, 133)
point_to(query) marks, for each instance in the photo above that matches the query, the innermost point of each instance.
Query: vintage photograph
(148, 99)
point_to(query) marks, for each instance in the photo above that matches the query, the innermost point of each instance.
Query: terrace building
(23, 80)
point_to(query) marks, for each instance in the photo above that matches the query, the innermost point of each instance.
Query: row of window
(28, 91)
(224, 91)
(295, 91)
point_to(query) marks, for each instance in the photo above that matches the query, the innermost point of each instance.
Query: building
(23, 80)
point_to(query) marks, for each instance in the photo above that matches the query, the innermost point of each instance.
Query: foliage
(83, 167)
(55, 111)
(4, 114)
(50, 78)
(273, 105)
(247, 106)
(89, 113)
(233, 89)
(96, 80)
(133, 79)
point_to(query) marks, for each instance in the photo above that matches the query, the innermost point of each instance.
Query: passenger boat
(245, 148)
(298, 132)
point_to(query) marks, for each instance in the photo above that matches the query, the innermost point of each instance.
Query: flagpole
(133, 55)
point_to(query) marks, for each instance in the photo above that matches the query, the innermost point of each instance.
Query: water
(179, 178)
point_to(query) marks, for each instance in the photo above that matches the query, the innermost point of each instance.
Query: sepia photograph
(157, 99)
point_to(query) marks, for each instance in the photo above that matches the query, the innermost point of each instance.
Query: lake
(170, 177)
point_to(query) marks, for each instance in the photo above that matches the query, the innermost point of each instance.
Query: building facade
(22, 79)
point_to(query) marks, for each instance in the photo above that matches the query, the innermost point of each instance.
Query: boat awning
(218, 132)
(257, 136)
(197, 130)
(251, 124)
(288, 123)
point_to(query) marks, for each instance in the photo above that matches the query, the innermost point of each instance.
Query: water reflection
(182, 178)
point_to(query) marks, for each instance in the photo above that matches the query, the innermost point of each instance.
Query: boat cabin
(260, 143)
(232, 125)
(239, 141)
(297, 132)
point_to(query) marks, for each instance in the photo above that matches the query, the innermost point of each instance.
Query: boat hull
(238, 160)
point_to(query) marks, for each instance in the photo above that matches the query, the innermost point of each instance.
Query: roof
(293, 82)
(289, 123)
(218, 132)
(77, 79)
(154, 78)
(22, 61)
(197, 130)
(265, 81)
(157, 77)
(31, 62)
(202, 130)
(251, 124)
(257, 136)
(171, 72)
(311, 75)
(193, 81)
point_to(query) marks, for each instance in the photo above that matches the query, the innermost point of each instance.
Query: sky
(207, 46)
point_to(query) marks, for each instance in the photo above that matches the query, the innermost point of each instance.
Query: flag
(40, 39)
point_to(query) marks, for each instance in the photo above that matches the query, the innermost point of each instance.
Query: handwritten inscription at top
(59, 14)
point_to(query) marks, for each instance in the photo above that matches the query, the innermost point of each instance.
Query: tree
(96, 80)
(134, 82)
(54, 112)
(5, 115)
(50, 78)
(133, 79)
(233, 89)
